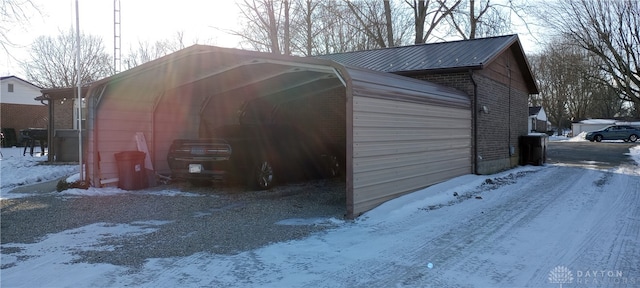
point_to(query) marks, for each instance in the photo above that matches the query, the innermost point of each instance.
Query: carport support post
(79, 92)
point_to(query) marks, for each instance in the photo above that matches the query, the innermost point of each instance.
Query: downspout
(474, 119)
(93, 101)
(511, 148)
(50, 144)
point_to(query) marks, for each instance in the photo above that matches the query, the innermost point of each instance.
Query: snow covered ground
(549, 226)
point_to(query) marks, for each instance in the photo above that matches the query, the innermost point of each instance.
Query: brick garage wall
(500, 129)
(63, 114)
(460, 81)
(18, 117)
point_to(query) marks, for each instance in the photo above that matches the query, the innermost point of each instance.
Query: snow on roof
(609, 122)
(598, 121)
(628, 123)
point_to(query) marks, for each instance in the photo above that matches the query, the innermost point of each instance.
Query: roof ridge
(25, 81)
(422, 44)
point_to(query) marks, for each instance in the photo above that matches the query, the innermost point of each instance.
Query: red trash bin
(131, 172)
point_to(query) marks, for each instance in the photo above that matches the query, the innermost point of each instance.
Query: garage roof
(444, 56)
(226, 69)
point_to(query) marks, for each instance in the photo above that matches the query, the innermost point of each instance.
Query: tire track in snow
(459, 250)
(600, 251)
(555, 218)
(495, 231)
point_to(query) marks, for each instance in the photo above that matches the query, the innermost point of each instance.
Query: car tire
(598, 138)
(263, 176)
(633, 138)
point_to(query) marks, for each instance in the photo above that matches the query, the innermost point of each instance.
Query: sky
(527, 227)
(140, 20)
(201, 21)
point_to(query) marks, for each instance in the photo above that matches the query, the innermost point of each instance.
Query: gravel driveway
(223, 220)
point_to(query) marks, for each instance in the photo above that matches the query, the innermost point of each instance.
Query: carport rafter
(302, 83)
(327, 72)
(253, 81)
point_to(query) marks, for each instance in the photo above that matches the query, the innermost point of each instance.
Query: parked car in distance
(259, 155)
(615, 132)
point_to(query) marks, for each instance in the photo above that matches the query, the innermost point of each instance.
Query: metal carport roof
(130, 101)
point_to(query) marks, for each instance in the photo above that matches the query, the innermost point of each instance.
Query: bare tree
(564, 73)
(305, 41)
(287, 28)
(267, 25)
(52, 63)
(368, 16)
(337, 32)
(552, 95)
(605, 103)
(436, 10)
(307, 27)
(389, 23)
(146, 51)
(380, 24)
(13, 14)
(480, 18)
(610, 30)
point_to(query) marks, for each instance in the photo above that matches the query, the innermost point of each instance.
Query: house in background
(19, 109)
(537, 120)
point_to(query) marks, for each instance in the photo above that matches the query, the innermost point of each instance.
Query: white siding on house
(23, 92)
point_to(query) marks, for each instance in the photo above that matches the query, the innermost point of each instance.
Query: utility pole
(117, 40)
(78, 79)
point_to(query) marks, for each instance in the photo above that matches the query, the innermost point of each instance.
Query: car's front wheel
(598, 138)
(263, 176)
(633, 138)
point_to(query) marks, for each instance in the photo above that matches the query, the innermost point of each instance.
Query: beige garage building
(399, 134)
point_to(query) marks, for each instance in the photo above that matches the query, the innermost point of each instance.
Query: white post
(79, 91)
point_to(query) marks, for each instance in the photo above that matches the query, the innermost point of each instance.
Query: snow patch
(60, 250)
(18, 170)
(577, 138)
(310, 222)
(599, 121)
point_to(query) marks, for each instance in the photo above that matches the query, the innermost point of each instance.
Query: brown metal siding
(399, 147)
(127, 109)
(402, 134)
(176, 115)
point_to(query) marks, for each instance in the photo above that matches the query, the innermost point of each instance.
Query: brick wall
(63, 114)
(18, 117)
(506, 120)
(460, 80)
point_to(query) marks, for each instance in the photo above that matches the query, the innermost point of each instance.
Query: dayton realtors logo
(560, 275)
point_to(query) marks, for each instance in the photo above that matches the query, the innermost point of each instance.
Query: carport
(399, 134)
